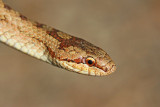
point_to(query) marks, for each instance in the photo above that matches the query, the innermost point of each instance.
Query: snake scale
(51, 45)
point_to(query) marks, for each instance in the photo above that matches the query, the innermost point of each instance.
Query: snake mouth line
(82, 60)
(82, 68)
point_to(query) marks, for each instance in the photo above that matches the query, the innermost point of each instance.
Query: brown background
(129, 30)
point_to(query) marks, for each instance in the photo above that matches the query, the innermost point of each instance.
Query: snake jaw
(85, 69)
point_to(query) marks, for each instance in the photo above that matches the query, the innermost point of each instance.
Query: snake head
(80, 56)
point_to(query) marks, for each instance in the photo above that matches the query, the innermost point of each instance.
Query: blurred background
(129, 30)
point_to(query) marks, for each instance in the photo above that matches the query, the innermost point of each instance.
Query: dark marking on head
(54, 34)
(79, 60)
(79, 43)
(74, 41)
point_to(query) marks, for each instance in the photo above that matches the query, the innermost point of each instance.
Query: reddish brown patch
(76, 42)
(69, 60)
(73, 38)
(54, 34)
(98, 66)
(79, 60)
(51, 52)
(101, 67)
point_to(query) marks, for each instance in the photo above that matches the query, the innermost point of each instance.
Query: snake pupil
(90, 62)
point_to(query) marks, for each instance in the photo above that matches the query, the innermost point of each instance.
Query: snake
(51, 45)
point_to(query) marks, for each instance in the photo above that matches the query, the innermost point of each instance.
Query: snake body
(51, 45)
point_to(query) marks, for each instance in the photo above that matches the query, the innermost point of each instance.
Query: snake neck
(33, 38)
(25, 35)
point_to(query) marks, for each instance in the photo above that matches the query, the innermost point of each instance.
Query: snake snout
(113, 68)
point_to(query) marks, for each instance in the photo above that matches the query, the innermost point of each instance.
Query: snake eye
(90, 61)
